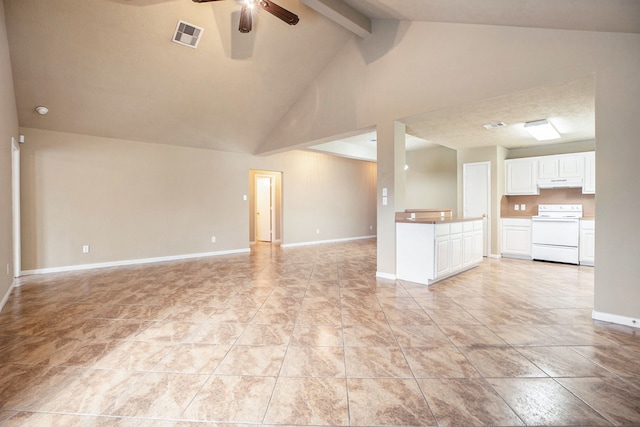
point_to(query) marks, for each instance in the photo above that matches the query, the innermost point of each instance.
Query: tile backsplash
(564, 196)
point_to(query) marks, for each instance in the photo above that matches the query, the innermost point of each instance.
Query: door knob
(484, 215)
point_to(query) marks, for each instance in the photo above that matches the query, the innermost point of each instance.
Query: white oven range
(555, 233)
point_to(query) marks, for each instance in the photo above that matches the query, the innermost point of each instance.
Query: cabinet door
(456, 252)
(548, 167)
(442, 255)
(516, 240)
(521, 176)
(478, 246)
(587, 242)
(589, 184)
(571, 166)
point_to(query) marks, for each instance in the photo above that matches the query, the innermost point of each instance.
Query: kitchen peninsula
(432, 245)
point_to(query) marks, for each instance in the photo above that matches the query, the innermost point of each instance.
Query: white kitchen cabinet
(516, 238)
(428, 252)
(587, 242)
(561, 166)
(589, 183)
(521, 176)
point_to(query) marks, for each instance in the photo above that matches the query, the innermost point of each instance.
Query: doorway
(476, 199)
(265, 211)
(264, 208)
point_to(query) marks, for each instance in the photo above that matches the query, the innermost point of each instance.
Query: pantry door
(476, 178)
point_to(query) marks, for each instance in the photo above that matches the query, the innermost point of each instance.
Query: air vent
(187, 34)
(494, 125)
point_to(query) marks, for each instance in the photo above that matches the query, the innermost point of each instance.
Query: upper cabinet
(522, 175)
(565, 166)
(589, 186)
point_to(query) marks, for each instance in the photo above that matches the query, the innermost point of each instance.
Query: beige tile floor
(309, 336)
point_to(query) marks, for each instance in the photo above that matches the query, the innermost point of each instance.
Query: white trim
(486, 249)
(15, 203)
(382, 275)
(320, 242)
(131, 262)
(615, 318)
(6, 297)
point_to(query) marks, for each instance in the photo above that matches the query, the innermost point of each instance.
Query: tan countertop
(435, 221)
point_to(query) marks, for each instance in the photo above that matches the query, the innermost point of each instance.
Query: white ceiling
(108, 68)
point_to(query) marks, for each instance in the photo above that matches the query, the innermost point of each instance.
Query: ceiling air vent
(187, 34)
(494, 125)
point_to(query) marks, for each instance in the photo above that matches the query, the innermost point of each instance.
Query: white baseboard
(130, 262)
(320, 242)
(494, 256)
(382, 275)
(5, 298)
(615, 318)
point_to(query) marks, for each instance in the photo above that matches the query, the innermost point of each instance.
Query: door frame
(272, 198)
(15, 203)
(487, 240)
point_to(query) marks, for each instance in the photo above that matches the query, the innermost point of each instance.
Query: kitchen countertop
(436, 221)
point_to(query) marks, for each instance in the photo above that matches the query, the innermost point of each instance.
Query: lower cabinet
(516, 238)
(426, 253)
(587, 242)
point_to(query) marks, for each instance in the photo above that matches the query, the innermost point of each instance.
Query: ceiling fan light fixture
(541, 130)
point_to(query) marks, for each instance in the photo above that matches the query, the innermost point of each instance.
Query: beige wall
(409, 68)
(552, 149)
(431, 180)
(130, 200)
(8, 129)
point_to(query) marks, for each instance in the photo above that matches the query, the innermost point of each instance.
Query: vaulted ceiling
(109, 68)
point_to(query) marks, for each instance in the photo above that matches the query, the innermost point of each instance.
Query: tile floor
(309, 336)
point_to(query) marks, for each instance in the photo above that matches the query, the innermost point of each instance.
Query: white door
(264, 203)
(476, 178)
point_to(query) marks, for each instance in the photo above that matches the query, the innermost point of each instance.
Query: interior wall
(431, 180)
(8, 129)
(129, 200)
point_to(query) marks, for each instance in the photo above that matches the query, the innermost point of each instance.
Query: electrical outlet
(371, 227)
(317, 231)
(522, 207)
(516, 207)
(244, 197)
(213, 239)
(85, 249)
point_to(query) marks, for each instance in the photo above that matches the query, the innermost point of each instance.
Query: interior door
(476, 200)
(264, 204)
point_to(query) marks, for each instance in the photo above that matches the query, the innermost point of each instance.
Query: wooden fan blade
(245, 19)
(279, 12)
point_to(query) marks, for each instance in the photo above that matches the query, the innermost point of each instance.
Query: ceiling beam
(342, 14)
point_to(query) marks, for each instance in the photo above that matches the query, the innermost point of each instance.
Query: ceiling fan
(247, 5)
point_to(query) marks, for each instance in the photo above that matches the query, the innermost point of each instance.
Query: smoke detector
(42, 110)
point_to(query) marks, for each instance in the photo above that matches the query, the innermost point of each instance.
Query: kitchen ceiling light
(541, 130)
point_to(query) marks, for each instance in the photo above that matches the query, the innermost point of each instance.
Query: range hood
(560, 183)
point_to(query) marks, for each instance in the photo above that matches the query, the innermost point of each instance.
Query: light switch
(384, 192)
(522, 207)
(516, 207)
(384, 201)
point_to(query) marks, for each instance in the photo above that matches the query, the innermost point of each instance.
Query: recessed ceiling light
(542, 130)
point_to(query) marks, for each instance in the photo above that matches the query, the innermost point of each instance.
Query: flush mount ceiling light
(541, 130)
(42, 110)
